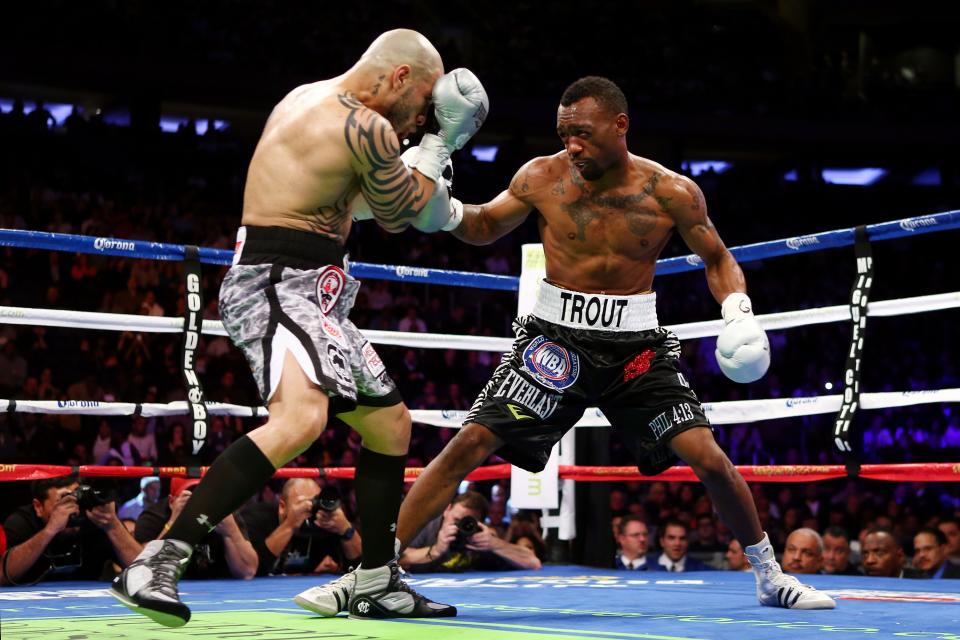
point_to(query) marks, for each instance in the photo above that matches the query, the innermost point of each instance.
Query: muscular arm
(394, 193)
(486, 223)
(689, 212)
(241, 556)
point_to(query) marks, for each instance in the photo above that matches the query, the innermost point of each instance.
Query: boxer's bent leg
(436, 486)
(298, 415)
(727, 488)
(379, 479)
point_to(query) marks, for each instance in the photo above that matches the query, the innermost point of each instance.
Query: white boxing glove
(442, 212)
(460, 107)
(743, 351)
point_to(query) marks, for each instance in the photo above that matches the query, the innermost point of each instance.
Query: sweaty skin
(605, 216)
(604, 235)
(326, 141)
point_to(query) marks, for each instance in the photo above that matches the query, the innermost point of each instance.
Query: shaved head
(293, 484)
(403, 46)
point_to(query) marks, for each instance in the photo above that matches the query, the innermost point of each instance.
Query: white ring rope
(690, 330)
(147, 409)
(729, 412)
(744, 411)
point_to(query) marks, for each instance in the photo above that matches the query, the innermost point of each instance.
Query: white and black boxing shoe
(149, 584)
(777, 589)
(381, 593)
(328, 599)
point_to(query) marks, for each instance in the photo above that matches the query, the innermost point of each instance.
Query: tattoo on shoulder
(392, 192)
(520, 183)
(697, 199)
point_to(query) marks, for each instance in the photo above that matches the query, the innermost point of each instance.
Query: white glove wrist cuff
(456, 215)
(432, 156)
(736, 305)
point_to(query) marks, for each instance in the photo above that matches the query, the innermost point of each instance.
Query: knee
(302, 423)
(471, 446)
(400, 435)
(712, 464)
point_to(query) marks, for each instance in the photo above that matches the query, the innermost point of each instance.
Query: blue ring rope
(747, 253)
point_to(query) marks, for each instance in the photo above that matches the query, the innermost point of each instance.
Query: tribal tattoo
(394, 195)
(327, 220)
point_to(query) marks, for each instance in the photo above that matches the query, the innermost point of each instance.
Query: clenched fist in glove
(442, 212)
(743, 351)
(460, 105)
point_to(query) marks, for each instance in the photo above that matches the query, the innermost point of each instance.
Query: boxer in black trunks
(593, 338)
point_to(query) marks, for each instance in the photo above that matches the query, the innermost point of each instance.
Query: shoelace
(166, 569)
(400, 585)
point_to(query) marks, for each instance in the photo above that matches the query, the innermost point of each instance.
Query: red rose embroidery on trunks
(638, 366)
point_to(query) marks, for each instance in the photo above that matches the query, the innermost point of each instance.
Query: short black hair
(836, 531)
(39, 488)
(603, 90)
(936, 533)
(673, 523)
(625, 520)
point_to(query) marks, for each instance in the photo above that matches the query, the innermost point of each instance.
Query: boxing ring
(559, 601)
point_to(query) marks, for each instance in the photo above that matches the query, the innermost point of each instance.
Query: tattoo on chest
(641, 219)
(558, 189)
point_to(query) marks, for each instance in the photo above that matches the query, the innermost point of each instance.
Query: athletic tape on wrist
(432, 156)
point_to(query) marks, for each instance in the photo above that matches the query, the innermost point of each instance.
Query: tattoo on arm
(394, 195)
(519, 183)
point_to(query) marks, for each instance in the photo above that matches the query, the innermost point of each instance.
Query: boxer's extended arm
(743, 351)
(689, 212)
(394, 193)
(486, 223)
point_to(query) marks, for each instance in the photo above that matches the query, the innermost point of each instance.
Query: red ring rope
(912, 472)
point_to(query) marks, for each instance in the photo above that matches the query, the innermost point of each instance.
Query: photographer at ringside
(68, 532)
(458, 540)
(306, 532)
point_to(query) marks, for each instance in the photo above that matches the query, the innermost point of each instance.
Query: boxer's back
(300, 175)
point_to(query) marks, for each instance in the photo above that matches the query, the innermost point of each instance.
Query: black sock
(379, 487)
(236, 474)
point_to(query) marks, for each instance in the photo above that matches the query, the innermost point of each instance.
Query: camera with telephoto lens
(87, 498)
(466, 527)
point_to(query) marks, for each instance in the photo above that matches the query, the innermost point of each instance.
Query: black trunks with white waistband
(580, 350)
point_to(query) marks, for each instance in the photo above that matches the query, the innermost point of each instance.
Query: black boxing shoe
(380, 593)
(149, 585)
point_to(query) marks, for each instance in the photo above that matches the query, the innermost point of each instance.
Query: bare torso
(301, 175)
(600, 241)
